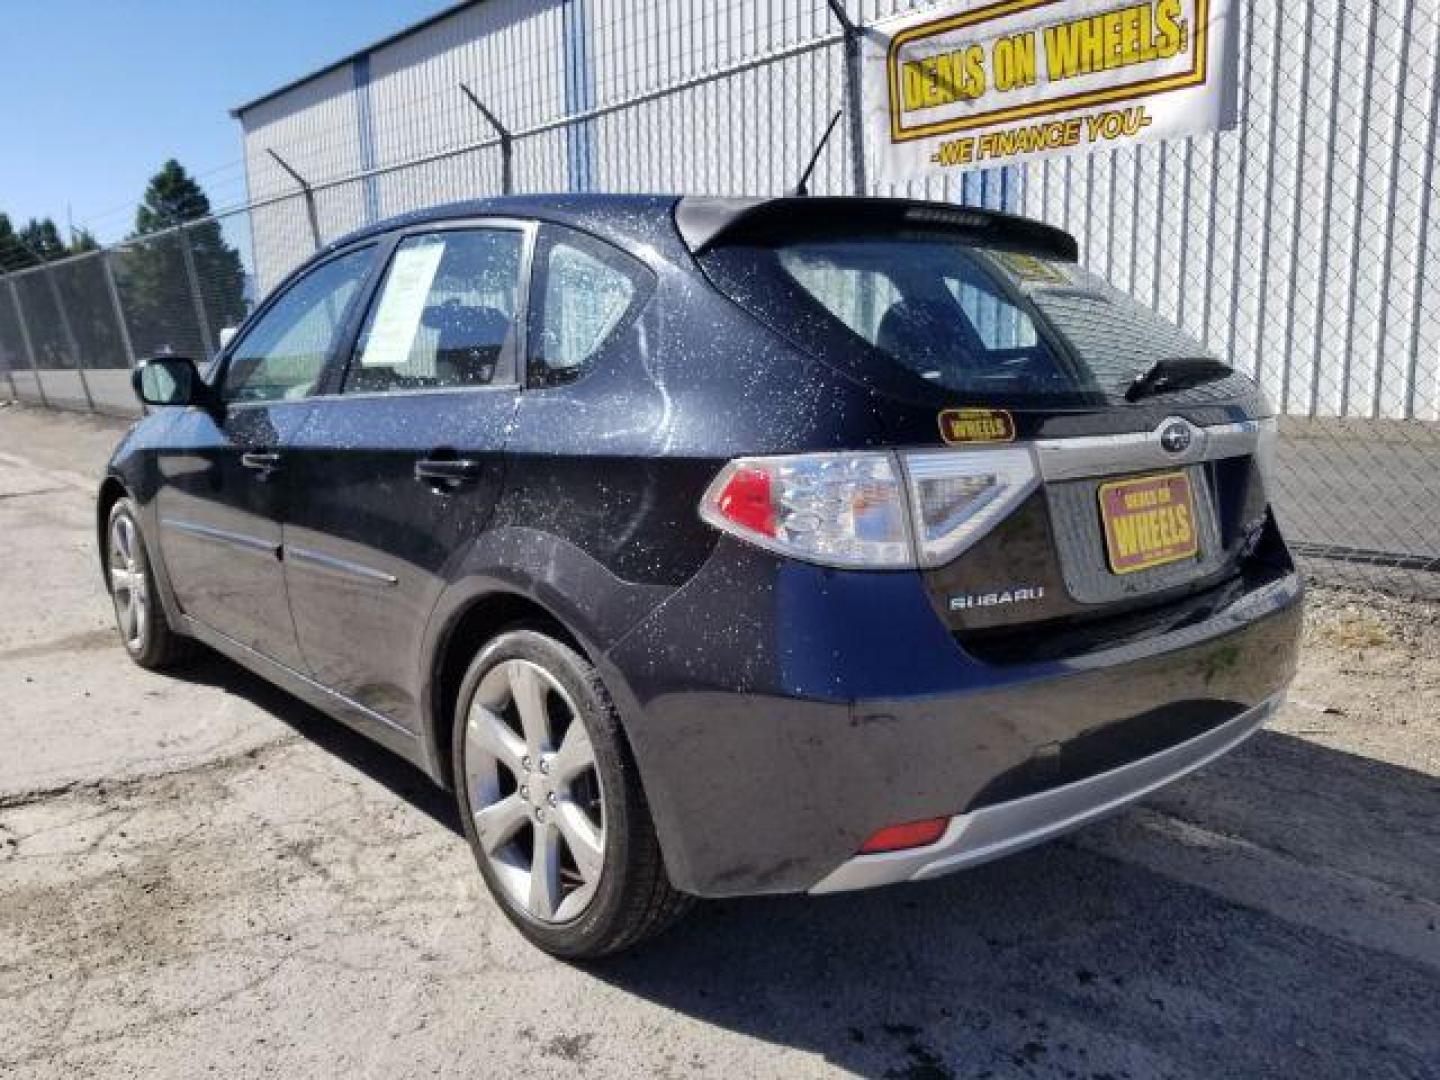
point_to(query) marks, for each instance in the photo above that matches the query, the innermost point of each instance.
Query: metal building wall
(511, 54)
(1301, 246)
(315, 129)
(1296, 245)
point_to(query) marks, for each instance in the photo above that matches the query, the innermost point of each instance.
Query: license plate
(1148, 522)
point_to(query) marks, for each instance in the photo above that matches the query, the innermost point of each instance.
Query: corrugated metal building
(1299, 245)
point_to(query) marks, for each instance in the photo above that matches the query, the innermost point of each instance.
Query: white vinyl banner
(974, 85)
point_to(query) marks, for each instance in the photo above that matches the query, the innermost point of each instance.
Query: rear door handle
(448, 470)
(262, 460)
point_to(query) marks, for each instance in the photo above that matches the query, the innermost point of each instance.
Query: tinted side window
(584, 292)
(445, 315)
(283, 355)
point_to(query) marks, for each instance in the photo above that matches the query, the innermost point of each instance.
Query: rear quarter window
(584, 294)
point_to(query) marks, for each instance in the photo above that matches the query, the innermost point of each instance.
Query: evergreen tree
(152, 273)
(13, 254)
(42, 239)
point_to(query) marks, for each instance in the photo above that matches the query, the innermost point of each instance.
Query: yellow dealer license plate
(1148, 522)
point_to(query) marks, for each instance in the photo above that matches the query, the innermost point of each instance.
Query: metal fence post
(307, 191)
(203, 320)
(507, 147)
(29, 345)
(130, 358)
(853, 95)
(69, 331)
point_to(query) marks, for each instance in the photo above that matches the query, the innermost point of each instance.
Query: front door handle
(262, 460)
(448, 470)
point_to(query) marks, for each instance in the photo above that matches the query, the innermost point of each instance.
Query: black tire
(157, 645)
(633, 899)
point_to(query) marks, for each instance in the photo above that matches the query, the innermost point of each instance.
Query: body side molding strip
(340, 567)
(239, 541)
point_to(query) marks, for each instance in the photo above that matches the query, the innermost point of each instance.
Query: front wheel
(139, 615)
(552, 802)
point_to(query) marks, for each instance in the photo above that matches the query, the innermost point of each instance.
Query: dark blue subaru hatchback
(709, 547)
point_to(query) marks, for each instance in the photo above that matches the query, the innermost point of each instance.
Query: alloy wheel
(534, 791)
(128, 587)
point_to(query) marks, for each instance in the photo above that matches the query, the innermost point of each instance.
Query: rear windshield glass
(986, 323)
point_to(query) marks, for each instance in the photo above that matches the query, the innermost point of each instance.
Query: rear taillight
(836, 509)
(960, 495)
(870, 510)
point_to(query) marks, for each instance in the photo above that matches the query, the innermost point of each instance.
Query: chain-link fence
(1299, 246)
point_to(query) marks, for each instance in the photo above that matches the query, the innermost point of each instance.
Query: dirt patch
(87, 641)
(1369, 679)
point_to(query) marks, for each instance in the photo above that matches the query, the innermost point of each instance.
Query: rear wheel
(552, 803)
(139, 616)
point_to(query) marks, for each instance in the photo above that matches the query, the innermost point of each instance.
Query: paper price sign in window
(402, 304)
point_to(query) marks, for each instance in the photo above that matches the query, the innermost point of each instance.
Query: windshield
(985, 323)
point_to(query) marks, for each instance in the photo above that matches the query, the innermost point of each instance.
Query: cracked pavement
(200, 874)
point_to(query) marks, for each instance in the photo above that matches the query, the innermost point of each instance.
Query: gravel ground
(199, 874)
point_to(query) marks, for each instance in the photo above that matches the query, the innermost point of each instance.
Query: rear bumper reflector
(912, 834)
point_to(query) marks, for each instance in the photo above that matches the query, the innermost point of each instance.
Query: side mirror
(170, 381)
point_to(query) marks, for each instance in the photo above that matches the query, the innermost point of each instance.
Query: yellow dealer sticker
(963, 426)
(1027, 269)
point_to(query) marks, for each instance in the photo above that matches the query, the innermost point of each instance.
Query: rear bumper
(1002, 828)
(781, 714)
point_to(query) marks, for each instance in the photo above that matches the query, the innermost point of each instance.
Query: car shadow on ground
(1274, 915)
(387, 769)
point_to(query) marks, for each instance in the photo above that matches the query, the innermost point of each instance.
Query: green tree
(152, 273)
(42, 238)
(38, 241)
(13, 253)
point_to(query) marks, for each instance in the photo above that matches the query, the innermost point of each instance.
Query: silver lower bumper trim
(1000, 829)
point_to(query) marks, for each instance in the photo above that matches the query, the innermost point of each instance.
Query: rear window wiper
(1176, 374)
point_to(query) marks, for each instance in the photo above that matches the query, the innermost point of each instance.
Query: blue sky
(98, 93)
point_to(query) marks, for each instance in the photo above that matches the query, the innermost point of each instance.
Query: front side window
(283, 355)
(587, 289)
(445, 315)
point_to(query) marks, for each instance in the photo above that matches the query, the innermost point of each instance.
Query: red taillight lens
(912, 834)
(747, 500)
(849, 509)
(839, 509)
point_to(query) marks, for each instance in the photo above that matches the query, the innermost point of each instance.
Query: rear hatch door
(980, 333)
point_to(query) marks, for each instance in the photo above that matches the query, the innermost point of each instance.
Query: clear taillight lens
(851, 510)
(836, 509)
(959, 495)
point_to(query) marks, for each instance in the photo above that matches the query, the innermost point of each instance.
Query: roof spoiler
(705, 223)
